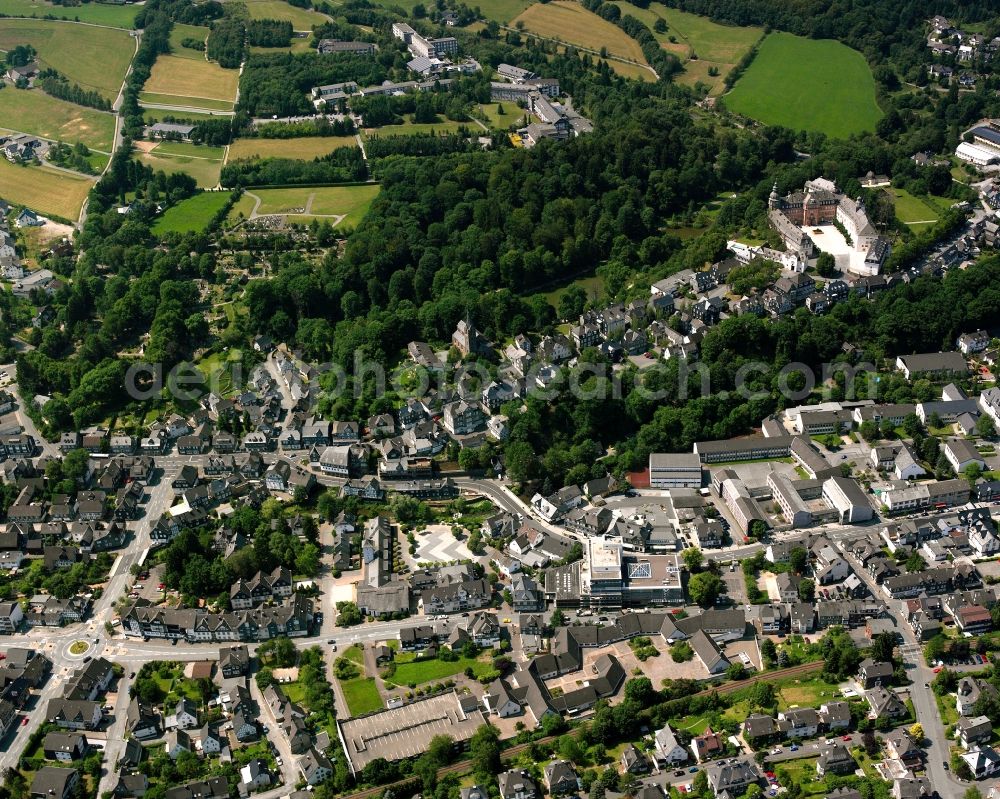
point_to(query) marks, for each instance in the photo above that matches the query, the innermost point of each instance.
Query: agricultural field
(200, 162)
(502, 11)
(45, 190)
(33, 111)
(96, 58)
(723, 44)
(187, 82)
(96, 13)
(701, 44)
(349, 202)
(179, 33)
(569, 22)
(193, 214)
(200, 105)
(305, 148)
(302, 19)
(807, 84)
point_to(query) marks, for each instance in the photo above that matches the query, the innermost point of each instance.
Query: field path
(306, 211)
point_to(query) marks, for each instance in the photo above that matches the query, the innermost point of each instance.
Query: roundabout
(79, 647)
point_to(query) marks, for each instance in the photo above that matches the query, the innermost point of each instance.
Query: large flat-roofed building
(743, 449)
(849, 500)
(793, 507)
(987, 136)
(337, 47)
(652, 580)
(602, 572)
(404, 731)
(674, 470)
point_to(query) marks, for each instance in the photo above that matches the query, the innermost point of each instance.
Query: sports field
(96, 58)
(569, 22)
(97, 13)
(193, 214)
(351, 202)
(808, 84)
(33, 111)
(45, 190)
(179, 33)
(305, 148)
(200, 162)
(302, 19)
(189, 82)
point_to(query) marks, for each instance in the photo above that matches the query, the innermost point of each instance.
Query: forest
(227, 42)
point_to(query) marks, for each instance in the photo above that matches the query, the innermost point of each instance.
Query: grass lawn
(295, 692)
(808, 84)
(413, 128)
(510, 114)
(802, 772)
(917, 212)
(204, 171)
(355, 654)
(362, 695)
(570, 22)
(298, 45)
(97, 13)
(306, 148)
(191, 215)
(95, 58)
(593, 286)
(244, 205)
(179, 33)
(423, 671)
(45, 190)
(192, 81)
(33, 111)
(352, 201)
(215, 366)
(804, 693)
(693, 725)
(302, 19)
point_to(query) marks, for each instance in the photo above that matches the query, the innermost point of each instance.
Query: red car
(937, 669)
(24, 722)
(846, 738)
(162, 586)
